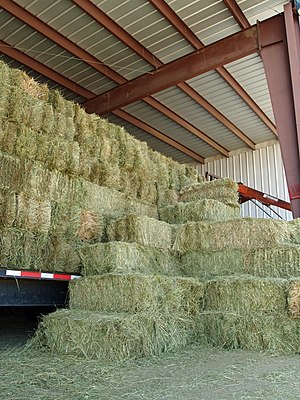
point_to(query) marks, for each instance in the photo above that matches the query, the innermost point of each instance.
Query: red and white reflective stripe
(10, 273)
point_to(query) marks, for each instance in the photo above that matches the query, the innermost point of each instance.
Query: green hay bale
(294, 229)
(247, 295)
(57, 254)
(5, 89)
(21, 249)
(210, 264)
(75, 223)
(16, 248)
(202, 210)
(239, 233)
(138, 293)
(32, 213)
(139, 208)
(8, 208)
(224, 190)
(121, 257)
(277, 334)
(279, 262)
(8, 137)
(294, 299)
(111, 337)
(142, 230)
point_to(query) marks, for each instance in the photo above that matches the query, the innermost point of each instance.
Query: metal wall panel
(261, 169)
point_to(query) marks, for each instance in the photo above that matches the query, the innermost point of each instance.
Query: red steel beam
(74, 87)
(35, 23)
(237, 13)
(98, 15)
(209, 57)
(191, 38)
(25, 16)
(152, 131)
(279, 78)
(44, 70)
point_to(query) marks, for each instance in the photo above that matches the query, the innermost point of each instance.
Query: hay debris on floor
(138, 293)
(239, 233)
(142, 230)
(199, 210)
(122, 257)
(223, 190)
(111, 337)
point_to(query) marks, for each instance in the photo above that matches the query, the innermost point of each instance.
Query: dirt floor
(196, 372)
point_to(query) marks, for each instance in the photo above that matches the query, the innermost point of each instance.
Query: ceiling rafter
(191, 38)
(38, 25)
(87, 94)
(108, 23)
(237, 13)
(210, 57)
(154, 132)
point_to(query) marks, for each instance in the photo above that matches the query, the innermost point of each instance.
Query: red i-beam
(281, 62)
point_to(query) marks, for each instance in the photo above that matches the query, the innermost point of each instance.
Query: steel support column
(281, 63)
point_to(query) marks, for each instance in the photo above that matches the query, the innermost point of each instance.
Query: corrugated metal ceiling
(209, 20)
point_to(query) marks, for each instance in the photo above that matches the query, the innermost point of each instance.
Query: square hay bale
(16, 248)
(138, 293)
(294, 299)
(282, 261)
(32, 213)
(111, 337)
(142, 230)
(21, 249)
(122, 257)
(223, 190)
(239, 233)
(200, 210)
(294, 229)
(247, 295)
(139, 208)
(75, 223)
(206, 264)
(279, 261)
(277, 334)
(8, 208)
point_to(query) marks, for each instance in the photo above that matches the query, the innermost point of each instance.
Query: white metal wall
(261, 169)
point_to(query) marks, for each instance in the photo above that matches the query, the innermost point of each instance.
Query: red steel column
(281, 63)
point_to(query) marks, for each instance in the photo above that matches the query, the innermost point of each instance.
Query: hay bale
(8, 208)
(32, 213)
(294, 299)
(201, 210)
(111, 337)
(16, 248)
(210, 264)
(277, 334)
(21, 249)
(121, 257)
(75, 223)
(239, 233)
(247, 295)
(294, 229)
(223, 190)
(138, 293)
(142, 230)
(279, 262)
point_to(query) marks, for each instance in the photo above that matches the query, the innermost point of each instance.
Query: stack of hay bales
(115, 316)
(66, 174)
(78, 194)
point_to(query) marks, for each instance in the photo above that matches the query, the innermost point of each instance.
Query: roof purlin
(191, 38)
(98, 15)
